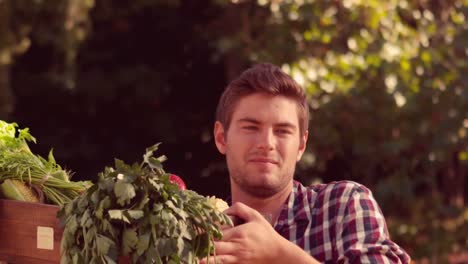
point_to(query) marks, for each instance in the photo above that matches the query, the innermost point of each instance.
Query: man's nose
(266, 139)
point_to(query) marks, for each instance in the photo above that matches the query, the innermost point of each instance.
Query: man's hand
(254, 241)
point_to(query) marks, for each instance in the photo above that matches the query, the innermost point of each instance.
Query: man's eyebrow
(248, 120)
(286, 125)
(257, 122)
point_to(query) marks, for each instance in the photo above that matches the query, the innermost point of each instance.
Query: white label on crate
(45, 238)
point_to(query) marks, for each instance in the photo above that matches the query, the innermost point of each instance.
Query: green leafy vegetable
(17, 162)
(136, 211)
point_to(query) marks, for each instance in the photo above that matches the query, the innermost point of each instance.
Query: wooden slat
(15, 259)
(18, 232)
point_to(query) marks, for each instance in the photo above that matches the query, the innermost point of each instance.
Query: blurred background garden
(386, 80)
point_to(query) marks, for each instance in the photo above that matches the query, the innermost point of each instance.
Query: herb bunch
(20, 165)
(135, 211)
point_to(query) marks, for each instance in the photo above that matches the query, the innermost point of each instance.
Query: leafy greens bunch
(135, 211)
(22, 171)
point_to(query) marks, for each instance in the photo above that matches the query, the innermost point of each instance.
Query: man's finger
(219, 259)
(223, 227)
(242, 211)
(224, 248)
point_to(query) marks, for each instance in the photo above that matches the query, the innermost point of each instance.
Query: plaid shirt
(338, 222)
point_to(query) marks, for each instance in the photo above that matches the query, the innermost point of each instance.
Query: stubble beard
(262, 191)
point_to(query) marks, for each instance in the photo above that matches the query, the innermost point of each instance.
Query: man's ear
(302, 144)
(220, 137)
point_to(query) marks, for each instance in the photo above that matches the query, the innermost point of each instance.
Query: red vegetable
(178, 181)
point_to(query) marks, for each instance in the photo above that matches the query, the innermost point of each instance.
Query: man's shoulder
(317, 202)
(332, 192)
(335, 186)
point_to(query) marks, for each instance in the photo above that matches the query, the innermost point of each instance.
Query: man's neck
(270, 206)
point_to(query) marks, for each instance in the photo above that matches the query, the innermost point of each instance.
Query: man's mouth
(264, 160)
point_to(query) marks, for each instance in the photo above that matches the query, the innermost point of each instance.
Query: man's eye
(250, 127)
(283, 131)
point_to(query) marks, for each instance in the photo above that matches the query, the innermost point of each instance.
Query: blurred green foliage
(386, 83)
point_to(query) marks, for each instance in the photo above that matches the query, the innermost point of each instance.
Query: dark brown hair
(262, 78)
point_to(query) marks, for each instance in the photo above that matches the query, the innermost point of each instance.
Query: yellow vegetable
(17, 190)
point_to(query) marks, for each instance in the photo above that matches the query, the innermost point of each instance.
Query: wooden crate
(30, 233)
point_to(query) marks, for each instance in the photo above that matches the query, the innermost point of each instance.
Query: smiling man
(266, 144)
(262, 129)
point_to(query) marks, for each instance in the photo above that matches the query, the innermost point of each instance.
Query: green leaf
(144, 201)
(72, 224)
(104, 204)
(50, 157)
(183, 230)
(120, 165)
(90, 235)
(143, 243)
(166, 246)
(69, 208)
(118, 215)
(82, 204)
(152, 255)
(108, 227)
(135, 214)
(162, 158)
(129, 241)
(154, 163)
(106, 184)
(180, 245)
(115, 214)
(157, 186)
(103, 244)
(153, 148)
(124, 192)
(149, 152)
(86, 219)
(95, 199)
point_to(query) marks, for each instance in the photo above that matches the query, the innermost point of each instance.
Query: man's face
(263, 144)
